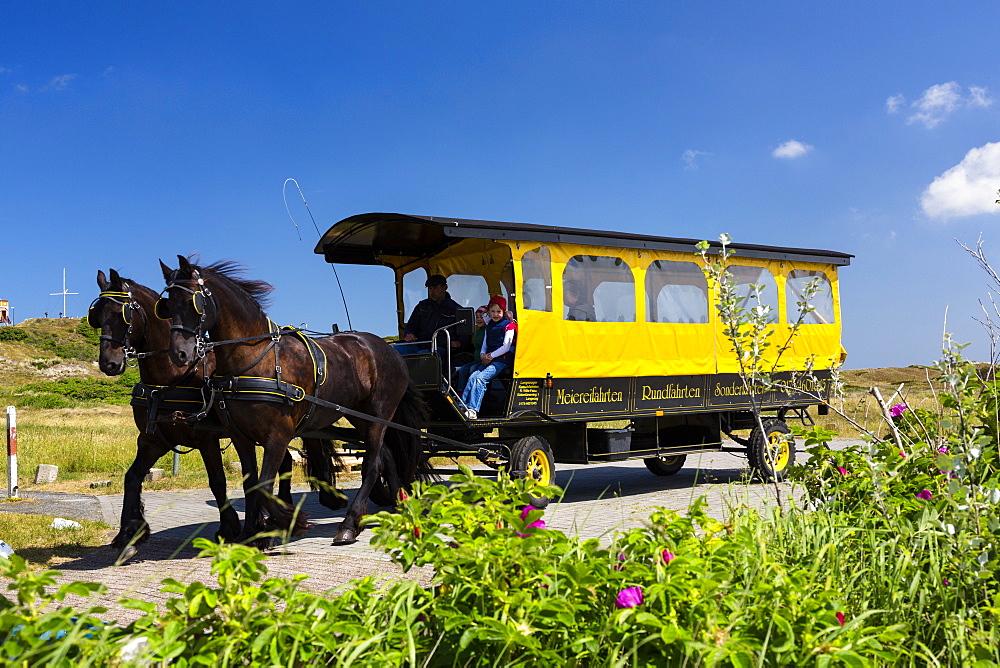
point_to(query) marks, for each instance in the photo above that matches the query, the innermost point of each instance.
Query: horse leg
(285, 478)
(282, 516)
(385, 491)
(211, 455)
(252, 521)
(322, 475)
(134, 529)
(350, 527)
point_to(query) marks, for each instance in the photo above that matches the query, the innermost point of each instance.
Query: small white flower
(974, 453)
(950, 528)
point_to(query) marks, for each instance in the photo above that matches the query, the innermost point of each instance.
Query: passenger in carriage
(438, 310)
(496, 355)
(576, 307)
(462, 372)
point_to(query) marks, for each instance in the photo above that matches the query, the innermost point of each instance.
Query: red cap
(499, 300)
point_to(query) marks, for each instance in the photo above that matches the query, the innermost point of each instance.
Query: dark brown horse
(275, 386)
(123, 311)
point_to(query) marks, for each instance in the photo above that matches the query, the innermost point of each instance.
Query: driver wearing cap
(438, 310)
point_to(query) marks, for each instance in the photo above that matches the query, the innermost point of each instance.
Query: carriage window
(413, 290)
(676, 292)
(745, 277)
(795, 289)
(468, 289)
(598, 289)
(536, 269)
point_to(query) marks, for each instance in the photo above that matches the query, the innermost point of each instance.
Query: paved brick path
(599, 499)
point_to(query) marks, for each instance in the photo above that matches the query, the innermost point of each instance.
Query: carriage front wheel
(772, 451)
(531, 458)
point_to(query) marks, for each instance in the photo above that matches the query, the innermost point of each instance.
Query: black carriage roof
(361, 239)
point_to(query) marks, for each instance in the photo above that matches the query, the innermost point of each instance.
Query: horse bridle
(125, 299)
(203, 302)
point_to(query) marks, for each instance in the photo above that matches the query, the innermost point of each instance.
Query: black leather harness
(273, 390)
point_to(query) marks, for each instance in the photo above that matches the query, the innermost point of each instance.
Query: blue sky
(130, 133)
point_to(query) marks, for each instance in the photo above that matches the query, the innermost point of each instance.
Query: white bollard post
(12, 453)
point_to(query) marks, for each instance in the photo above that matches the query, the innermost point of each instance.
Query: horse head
(122, 322)
(189, 306)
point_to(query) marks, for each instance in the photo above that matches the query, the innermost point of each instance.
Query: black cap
(436, 279)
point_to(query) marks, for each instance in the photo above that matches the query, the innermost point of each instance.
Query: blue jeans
(462, 375)
(480, 379)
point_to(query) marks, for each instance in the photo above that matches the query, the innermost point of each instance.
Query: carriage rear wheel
(531, 458)
(666, 465)
(773, 451)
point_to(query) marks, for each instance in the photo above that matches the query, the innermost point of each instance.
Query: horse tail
(320, 464)
(412, 462)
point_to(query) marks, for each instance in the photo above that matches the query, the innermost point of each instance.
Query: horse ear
(115, 278)
(185, 266)
(167, 272)
(102, 280)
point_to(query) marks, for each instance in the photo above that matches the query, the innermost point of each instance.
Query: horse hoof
(345, 537)
(127, 553)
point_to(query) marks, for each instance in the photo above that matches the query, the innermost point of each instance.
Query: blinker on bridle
(129, 305)
(201, 300)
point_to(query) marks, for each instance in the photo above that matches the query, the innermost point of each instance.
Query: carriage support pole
(12, 492)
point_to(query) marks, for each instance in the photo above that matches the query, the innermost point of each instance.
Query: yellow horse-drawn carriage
(611, 327)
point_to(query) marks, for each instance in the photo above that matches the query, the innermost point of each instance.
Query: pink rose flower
(668, 556)
(629, 597)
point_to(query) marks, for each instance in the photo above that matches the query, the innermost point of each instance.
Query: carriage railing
(447, 388)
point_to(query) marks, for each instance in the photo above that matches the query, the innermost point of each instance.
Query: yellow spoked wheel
(531, 458)
(773, 451)
(539, 468)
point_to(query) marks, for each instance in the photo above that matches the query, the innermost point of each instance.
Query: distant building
(5, 312)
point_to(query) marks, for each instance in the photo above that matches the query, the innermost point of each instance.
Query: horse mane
(233, 273)
(137, 288)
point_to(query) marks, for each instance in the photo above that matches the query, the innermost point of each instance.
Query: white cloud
(791, 149)
(690, 158)
(20, 88)
(5, 70)
(939, 102)
(978, 97)
(967, 189)
(59, 82)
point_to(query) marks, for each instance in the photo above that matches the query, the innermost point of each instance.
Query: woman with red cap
(495, 355)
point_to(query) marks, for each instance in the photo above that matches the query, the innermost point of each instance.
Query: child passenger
(462, 372)
(496, 354)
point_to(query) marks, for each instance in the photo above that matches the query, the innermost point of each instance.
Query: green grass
(33, 537)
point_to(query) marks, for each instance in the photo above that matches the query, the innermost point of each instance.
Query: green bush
(777, 588)
(12, 334)
(69, 392)
(89, 334)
